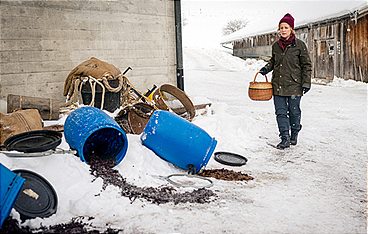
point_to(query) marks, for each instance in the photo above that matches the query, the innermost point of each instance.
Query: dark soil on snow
(76, 226)
(104, 169)
(225, 174)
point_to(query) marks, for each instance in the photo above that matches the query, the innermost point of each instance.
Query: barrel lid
(230, 159)
(37, 197)
(34, 141)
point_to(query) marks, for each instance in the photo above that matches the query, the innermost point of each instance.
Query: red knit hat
(288, 19)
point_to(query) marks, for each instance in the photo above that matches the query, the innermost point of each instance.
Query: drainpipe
(179, 48)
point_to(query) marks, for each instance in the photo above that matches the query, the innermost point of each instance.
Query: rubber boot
(285, 142)
(294, 136)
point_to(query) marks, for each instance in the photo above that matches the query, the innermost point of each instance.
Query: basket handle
(254, 80)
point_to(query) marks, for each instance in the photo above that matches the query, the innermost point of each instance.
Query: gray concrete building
(42, 41)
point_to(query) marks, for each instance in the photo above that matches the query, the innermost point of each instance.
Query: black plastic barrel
(111, 101)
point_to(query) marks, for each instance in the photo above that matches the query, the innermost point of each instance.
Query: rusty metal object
(199, 108)
(122, 120)
(133, 118)
(168, 93)
(55, 127)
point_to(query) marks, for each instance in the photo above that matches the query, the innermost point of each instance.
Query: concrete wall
(42, 41)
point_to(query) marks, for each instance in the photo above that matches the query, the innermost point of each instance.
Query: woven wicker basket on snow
(260, 91)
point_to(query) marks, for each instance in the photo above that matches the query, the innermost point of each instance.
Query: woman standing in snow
(291, 78)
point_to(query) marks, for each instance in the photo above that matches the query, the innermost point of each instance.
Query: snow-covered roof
(258, 29)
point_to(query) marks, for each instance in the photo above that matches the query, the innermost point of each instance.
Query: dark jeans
(288, 114)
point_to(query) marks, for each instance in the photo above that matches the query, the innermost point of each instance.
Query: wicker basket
(260, 91)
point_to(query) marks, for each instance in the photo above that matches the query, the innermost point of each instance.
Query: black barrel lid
(37, 198)
(34, 141)
(230, 159)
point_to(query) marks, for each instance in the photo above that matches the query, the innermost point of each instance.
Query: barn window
(331, 48)
(338, 47)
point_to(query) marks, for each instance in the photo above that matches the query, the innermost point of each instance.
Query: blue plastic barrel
(178, 141)
(92, 132)
(10, 186)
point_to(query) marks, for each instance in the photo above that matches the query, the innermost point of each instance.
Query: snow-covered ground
(318, 186)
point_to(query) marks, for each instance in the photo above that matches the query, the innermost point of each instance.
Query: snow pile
(339, 82)
(254, 64)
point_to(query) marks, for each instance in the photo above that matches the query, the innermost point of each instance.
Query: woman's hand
(305, 90)
(263, 71)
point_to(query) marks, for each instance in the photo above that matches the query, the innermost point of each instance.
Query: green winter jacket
(292, 69)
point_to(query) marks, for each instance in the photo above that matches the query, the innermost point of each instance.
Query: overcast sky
(205, 19)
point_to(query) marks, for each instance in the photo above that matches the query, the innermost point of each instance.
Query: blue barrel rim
(120, 156)
(208, 155)
(74, 120)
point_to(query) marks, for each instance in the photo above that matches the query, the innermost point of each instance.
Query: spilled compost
(104, 169)
(225, 174)
(75, 226)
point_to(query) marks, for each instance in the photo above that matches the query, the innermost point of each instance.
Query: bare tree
(234, 25)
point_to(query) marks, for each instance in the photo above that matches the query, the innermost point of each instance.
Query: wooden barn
(338, 45)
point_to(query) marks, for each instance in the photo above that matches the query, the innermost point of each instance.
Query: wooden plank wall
(357, 50)
(337, 48)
